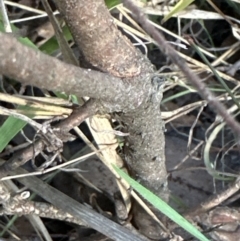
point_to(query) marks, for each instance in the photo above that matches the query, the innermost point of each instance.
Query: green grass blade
(112, 3)
(219, 78)
(162, 206)
(181, 5)
(52, 45)
(24, 41)
(9, 129)
(11, 125)
(210, 166)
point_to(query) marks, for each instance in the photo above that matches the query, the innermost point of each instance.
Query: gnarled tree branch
(98, 38)
(32, 67)
(137, 99)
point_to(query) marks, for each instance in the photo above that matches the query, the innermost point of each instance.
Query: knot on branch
(158, 84)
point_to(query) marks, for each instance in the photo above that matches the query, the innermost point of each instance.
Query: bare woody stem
(98, 38)
(32, 67)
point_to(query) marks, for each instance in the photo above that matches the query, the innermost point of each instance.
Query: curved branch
(32, 67)
(98, 38)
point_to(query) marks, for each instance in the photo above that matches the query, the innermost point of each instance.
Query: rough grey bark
(134, 99)
(30, 66)
(146, 141)
(137, 101)
(104, 47)
(98, 39)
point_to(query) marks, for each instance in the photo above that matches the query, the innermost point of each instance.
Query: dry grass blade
(22, 6)
(103, 134)
(33, 103)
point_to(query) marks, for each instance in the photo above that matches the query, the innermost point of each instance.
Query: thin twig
(176, 59)
(215, 200)
(19, 205)
(22, 157)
